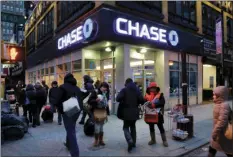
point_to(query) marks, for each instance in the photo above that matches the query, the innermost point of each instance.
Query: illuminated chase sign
(77, 35)
(126, 27)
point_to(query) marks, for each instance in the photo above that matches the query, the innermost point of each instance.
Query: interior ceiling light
(108, 49)
(143, 50)
(170, 63)
(207, 65)
(108, 44)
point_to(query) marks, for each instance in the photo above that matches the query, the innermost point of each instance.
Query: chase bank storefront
(110, 46)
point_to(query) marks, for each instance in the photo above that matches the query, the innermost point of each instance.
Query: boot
(101, 142)
(129, 139)
(164, 139)
(96, 142)
(153, 140)
(134, 136)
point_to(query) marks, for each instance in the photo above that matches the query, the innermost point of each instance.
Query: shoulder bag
(71, 106)
(228, 132)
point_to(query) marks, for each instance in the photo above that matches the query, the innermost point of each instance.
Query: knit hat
(153, 84)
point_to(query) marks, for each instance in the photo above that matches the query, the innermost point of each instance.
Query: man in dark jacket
(20, 95)
(66, 91)
(41, 98)
(88, 88)
(53, 93)
(45, 86)
(129, 98)
(31, 105)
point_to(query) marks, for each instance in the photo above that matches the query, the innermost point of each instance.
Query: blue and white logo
(88, 28)
(173, 38)
(78, 34)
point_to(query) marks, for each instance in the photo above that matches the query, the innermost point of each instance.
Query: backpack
(89, 127)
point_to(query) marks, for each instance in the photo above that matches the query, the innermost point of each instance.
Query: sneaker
(59, 123)
(130, 147)
(34, 126)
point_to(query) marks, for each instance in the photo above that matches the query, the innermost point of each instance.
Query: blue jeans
(71, 139)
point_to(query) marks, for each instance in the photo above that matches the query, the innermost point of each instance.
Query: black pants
(160, 126)
(212, 152)
(129, 129)
(39, 108)
(32, 113)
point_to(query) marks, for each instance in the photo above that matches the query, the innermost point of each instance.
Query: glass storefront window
(51, 70)
(46, 71)
(176, 79)
(67, 67)
(77, 65)
(79, 78)
(42, 71)
(92, 64)
(60, 69)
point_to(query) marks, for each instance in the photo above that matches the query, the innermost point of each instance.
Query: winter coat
(93, 103)
(221, 116)
(41, 96)
(46, 87)
(66, 91)
(31, 94)
(129, 99)
(20, 93)
(53, 93)
(160, 104)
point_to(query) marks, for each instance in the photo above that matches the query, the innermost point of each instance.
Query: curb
(190, 150)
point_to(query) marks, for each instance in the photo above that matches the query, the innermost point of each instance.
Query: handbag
(71, 106)
(100, 115)
(228, 132)
(151, 115)
(86, 106)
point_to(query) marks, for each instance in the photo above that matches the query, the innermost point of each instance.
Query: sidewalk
(47, 139)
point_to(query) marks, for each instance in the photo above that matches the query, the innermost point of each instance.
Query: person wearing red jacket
(157, 100)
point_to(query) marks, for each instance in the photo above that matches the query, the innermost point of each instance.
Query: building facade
(111, 41)
(12, 20)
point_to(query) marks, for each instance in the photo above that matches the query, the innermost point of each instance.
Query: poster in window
(219, 36)
(211, 82)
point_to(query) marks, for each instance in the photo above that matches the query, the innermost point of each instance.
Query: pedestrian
(221, 116)
(128, 111)
(45, 86)
(97, 84)
(66, 91)
(41, 98)
(87, 90)
(20, 95)
(99, 108)
(53, 93)
(30, 104)
(156, 100)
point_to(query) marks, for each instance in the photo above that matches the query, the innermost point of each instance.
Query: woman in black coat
(30, 104)
(100, 105)
(41, 98)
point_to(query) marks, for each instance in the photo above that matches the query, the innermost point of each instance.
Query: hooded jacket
(31, 94)
(129, 98)
(67, 90)
(41, 95)
(221, 116)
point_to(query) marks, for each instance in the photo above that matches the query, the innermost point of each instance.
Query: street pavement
(47, 139)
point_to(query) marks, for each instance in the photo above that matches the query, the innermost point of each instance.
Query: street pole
(184, 82)
(222, 58)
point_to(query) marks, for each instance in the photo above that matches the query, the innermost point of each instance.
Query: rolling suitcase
(47, 114)
(89, 127)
